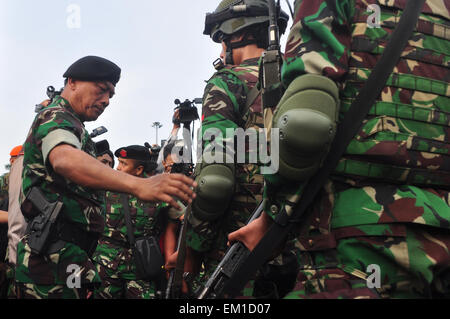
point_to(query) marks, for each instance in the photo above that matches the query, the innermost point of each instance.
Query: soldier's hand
(252, 233)
(163, 187)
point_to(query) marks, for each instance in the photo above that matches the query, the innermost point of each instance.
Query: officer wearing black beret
(133, 159)
(60, 161)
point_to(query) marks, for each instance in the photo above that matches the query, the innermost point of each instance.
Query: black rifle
(233, 258)
(247, 266)
(51, 93)
(42, 225)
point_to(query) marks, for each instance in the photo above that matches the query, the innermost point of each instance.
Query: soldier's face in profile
(106, 159)
(129, 166)
(91, 98)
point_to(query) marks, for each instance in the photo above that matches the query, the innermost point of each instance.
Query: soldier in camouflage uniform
(387, 202)
(229, 191)
(60, 160)
(4, 179)
(114, 256)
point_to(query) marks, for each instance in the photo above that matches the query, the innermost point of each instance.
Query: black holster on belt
(40, 229)
(46, 232)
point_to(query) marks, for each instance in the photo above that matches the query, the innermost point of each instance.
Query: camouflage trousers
(33, 291)
(408, 261)
(115, 287)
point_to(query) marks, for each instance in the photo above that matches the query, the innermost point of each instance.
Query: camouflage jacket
(405, 137)
(82, 206)
(113, 250)
(395, 173)
(224, 102)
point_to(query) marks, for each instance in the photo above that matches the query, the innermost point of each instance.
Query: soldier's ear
(71, 83)
(140, 170)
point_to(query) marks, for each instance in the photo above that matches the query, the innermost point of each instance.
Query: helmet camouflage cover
(231, 16)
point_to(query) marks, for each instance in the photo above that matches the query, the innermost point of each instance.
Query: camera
(98, 131)
(182, 168)
(187, 111)
(154, 149)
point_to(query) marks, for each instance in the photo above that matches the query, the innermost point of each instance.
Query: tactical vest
(405, 138)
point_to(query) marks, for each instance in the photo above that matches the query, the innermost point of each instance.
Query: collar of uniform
(60, 101)
(251, 61)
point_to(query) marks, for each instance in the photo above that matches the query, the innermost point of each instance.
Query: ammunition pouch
(216, 183)
(306, 118)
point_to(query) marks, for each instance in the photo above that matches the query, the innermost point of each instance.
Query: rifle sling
(179, 268)
(347, 129)
(126, 211)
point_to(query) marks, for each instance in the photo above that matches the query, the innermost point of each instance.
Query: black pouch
(148, 258)
(146, 252)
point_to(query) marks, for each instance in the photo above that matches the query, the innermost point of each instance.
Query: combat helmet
(232, 16)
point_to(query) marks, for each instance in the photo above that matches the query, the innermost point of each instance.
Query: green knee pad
(306, 118)
(214, 191)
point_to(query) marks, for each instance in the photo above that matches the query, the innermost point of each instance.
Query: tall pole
(157, 125)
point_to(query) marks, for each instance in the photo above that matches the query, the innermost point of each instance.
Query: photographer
(171, 140)
(170, 236)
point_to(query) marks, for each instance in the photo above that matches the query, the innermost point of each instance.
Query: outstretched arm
(85, 170)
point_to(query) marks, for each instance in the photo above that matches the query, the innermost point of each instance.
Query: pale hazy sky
(159, 46)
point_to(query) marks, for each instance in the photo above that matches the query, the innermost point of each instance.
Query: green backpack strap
(252, 94)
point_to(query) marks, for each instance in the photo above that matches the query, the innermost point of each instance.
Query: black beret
(136, 152)
(94, 68)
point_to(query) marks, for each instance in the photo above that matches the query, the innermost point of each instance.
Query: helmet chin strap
(235, 45)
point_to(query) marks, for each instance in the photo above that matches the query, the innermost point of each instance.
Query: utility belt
(69, 232)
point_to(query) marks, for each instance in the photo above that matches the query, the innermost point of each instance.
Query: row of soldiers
(385, 204)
